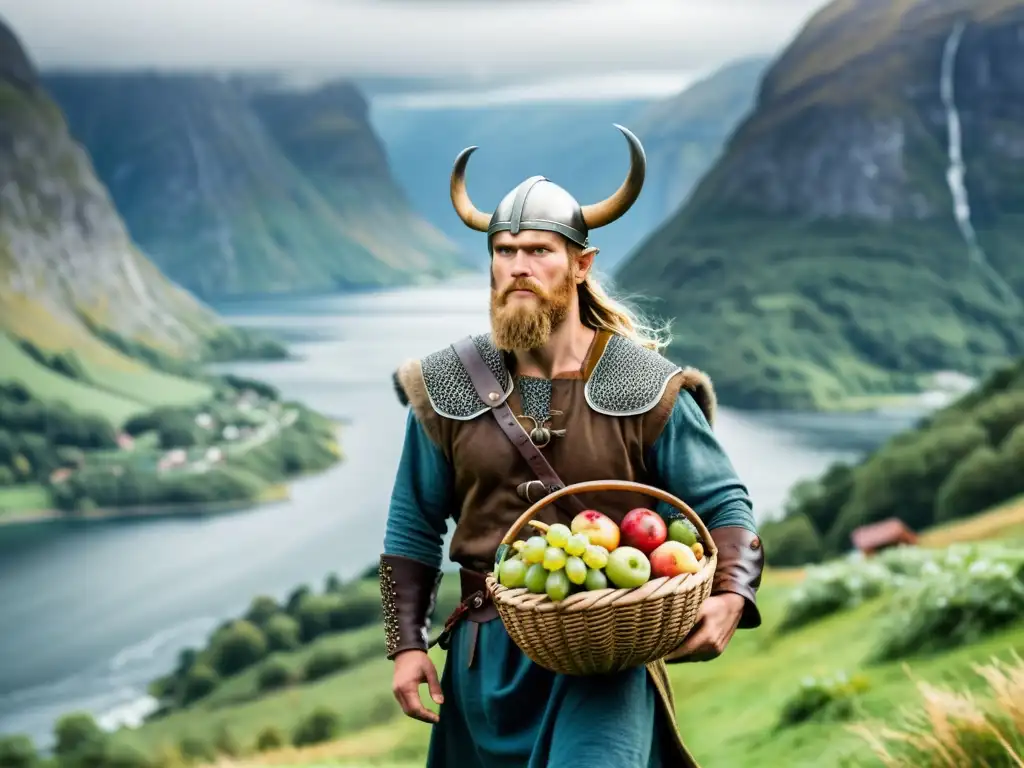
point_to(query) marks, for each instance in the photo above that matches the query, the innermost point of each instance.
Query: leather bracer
(740, 563)
(408, 589)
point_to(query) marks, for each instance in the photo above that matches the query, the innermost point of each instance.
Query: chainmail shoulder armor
(628, 379)
(449, 388)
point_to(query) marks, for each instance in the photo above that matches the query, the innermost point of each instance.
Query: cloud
(623, 85)
(476, 41)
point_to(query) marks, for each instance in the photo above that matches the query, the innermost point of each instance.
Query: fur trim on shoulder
(408, 383)
(699, 385)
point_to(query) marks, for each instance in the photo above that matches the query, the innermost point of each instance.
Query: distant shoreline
(274, 495)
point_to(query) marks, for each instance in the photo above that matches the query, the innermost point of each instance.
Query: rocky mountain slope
(66, 262)
(211, 178)
(572, 143)
(862, 227)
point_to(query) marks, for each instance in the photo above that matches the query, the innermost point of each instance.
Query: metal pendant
(540, 436)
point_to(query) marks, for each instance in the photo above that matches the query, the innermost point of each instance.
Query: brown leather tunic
(596, 446)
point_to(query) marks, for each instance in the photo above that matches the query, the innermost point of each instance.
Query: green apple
(627, 567)
(513, 574)
(536, 579)
(595, 580)
(683, 532)
(557, 585)
(554, 558)
(576, 570)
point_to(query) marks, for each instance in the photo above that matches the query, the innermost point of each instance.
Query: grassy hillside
(959, 461)
(831, 656)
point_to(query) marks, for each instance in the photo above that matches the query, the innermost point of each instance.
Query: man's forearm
(408, 591)
(740, 564)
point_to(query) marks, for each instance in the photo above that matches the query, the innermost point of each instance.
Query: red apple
(644, 529)
(672, 558)
(598, 527)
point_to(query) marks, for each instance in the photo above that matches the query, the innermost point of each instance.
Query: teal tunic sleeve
(688, 461)
(420, 499)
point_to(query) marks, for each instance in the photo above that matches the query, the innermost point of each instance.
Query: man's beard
(526, 326)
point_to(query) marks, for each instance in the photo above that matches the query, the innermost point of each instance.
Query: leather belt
(476, 607)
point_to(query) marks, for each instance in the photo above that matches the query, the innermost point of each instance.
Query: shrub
(324, 662)
(282, 633)
(791, 541)
(957, 728)
(834, 587)
(322, 724)
(17, 752)
(194, 749)
(269, 738)
(830, 698)
(200, 680)
(965, 593)
(261, 610)
(239, 646)
(121, 755)
(274, 674)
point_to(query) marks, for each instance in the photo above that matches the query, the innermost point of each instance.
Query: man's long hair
(602, 312)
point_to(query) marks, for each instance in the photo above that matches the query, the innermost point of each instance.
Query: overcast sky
(554, 46)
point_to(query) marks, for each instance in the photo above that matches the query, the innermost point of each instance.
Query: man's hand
(718, 618)
(413, 668)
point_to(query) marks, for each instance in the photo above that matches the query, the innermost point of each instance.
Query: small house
(893, 532)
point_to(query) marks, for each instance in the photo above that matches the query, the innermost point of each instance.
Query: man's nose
(520, 264)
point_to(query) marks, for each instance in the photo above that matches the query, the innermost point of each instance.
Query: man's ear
(584, 262)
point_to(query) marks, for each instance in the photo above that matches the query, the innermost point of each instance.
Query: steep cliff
(66, 261)
(209, 193)
(859, 231)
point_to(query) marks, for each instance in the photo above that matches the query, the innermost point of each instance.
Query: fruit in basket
(643, 529)
(673, 558)
(557, 585)
(577, 544)
(698, 550)
(683, 532)
(595, 556)
(558, 535)
(576, 570)
(536, 579)
(598, 527)
(627, 567)
(595, 580)
(512, 574)
(554, 558)
(533, 549)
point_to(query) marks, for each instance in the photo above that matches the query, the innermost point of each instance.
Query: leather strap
(490, 391)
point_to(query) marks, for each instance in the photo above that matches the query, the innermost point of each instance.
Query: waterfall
(955, 171)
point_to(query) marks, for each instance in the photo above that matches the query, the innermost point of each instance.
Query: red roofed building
(882, 535)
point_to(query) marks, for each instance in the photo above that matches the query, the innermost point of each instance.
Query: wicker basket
(611, 629)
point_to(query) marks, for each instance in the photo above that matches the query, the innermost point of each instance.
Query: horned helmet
(538, 203)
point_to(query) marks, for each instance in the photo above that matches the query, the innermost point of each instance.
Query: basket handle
(592, 486)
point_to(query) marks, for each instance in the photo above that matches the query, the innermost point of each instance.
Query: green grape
(558, 534)
(554, 558)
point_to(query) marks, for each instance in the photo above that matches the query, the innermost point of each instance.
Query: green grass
(46, 384)
(727, 709)
(148, 386)
(24, 497)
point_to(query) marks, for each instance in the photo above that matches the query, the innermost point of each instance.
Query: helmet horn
(473, 218)
(607, 211)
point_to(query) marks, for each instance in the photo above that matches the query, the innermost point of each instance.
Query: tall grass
(952, 729)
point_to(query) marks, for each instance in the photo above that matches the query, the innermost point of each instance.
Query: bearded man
(567, 387)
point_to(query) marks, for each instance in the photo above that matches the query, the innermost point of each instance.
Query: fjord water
(93, 612)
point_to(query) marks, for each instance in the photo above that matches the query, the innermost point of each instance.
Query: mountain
(573, 143)
(860, 231)
(67, 264)
(210, 175)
